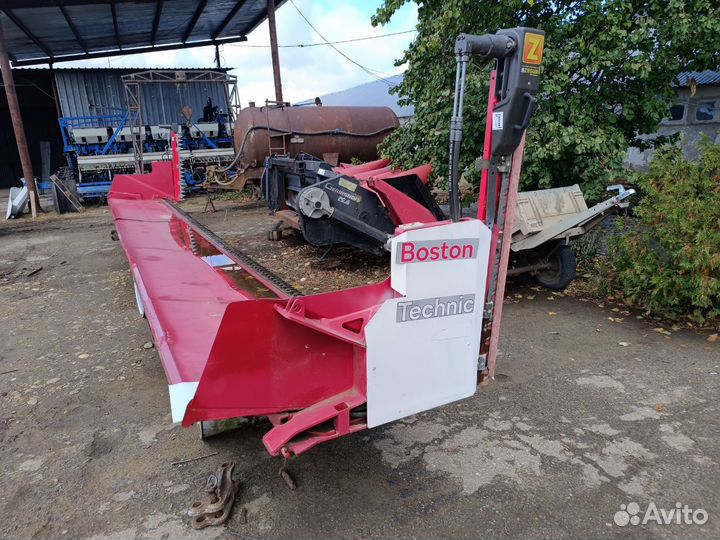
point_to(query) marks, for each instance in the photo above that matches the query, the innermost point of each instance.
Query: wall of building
(37, 107)
(84, 92)
(91, 92)
(692, 124)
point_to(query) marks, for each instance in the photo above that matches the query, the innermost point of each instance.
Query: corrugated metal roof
(43, 31)
(371, 94)
(121, 70)
(101, 91)
(701, 78)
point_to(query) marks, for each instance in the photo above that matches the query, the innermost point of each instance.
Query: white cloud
(306, 72)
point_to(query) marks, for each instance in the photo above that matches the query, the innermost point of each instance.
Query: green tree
(608, 72)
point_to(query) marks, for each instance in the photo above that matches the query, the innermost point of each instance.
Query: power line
(366, 70)
(302, 45)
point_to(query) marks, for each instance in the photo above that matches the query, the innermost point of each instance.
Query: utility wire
(302, 45)
(366, 70)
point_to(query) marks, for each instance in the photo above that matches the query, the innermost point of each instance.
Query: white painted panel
(422, 348)
(180, 395)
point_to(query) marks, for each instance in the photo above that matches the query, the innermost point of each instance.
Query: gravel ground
(593, 409)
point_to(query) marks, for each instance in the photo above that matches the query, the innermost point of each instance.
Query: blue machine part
(109, 134)
(94, 190)
(221, 138)
(112, 124)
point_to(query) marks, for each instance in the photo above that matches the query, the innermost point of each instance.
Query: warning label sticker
(497, 121)
(347, 184)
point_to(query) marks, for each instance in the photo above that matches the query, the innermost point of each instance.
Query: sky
(306, 72)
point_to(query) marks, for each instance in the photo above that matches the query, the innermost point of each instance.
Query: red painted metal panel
(402, 208)
(423, 172)
(251, 349)
(263, 363)
(372, 173)
(163, 182)
(369, 166)
(184, 296)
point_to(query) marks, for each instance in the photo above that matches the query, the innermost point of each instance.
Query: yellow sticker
(533, 49)
(347, 184)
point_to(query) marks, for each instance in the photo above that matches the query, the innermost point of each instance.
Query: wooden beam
(228, 18)
(25, 30)
(194, 20)
(18, 127)
(73, 28)
(274, 51)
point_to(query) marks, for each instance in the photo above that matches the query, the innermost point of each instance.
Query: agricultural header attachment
(236, 341)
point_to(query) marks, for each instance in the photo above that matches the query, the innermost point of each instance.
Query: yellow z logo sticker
(533, 49)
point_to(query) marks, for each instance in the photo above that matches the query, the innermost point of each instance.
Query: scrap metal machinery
(98, 147)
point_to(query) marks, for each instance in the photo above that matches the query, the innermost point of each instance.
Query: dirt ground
(593, 409)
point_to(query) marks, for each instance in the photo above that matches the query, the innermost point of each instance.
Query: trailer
(546, 221)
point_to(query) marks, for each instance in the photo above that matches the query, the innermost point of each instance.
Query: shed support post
(274, 51)
(15, 116)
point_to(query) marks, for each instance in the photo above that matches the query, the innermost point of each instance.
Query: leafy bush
(670, 262)
(587, 247)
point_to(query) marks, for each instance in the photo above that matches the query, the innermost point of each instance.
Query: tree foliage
(670, 261)
(608, 70)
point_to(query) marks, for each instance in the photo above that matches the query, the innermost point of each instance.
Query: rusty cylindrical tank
(349, 132)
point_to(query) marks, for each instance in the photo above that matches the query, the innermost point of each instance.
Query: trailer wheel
(562, 272)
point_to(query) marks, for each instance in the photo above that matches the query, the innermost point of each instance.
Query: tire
(562, 272)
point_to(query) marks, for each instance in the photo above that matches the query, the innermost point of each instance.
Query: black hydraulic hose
(456, 127)
(487, 46)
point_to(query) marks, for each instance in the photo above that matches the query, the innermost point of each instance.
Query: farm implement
(236, 341)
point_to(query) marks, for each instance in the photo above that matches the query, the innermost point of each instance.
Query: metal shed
(50, 31)
(46, 94)
(88, 92)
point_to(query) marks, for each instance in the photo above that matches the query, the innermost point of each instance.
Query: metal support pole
(274, 51)
(16, 117)
(504, 256)
(53, 86)
(217, 56)
(133, 98)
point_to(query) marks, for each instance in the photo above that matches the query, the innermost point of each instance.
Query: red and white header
(436, 250)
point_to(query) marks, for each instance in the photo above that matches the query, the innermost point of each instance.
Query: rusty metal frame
(134, 105)
(133, 84)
